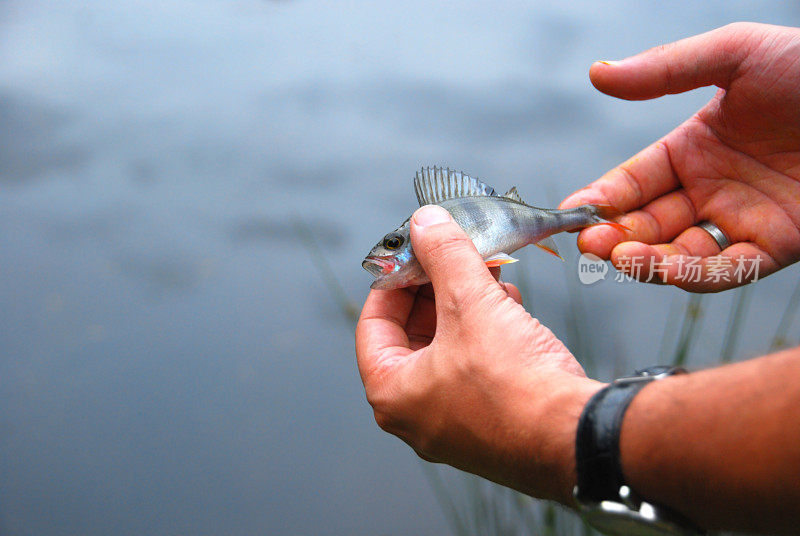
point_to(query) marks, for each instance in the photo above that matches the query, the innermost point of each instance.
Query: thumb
(447, 255)
(707, 59)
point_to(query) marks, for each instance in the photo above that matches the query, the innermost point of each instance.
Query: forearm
(721, 446)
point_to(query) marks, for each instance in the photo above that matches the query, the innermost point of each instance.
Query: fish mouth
(378, 266)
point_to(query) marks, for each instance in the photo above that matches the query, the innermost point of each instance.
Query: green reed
(577, 324)
(691, 322)
(780, 340)
(740, 303)
(346, 306)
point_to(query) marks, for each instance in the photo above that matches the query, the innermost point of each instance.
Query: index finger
(635, 182)
(380, 334)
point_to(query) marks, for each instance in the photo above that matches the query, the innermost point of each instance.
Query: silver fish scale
(496, 224)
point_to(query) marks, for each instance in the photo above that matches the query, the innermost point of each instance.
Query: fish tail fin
(604, 215)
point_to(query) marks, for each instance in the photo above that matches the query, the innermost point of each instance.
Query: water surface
(172, 361)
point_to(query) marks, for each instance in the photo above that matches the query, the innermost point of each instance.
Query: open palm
(735, 163)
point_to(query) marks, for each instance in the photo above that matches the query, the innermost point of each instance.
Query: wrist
(603, 494)
(560, 417)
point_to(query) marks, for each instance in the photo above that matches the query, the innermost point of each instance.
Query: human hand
(736, 162)
(464, 375)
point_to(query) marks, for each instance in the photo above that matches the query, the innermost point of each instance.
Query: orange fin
(550, 251)
(605, 213)
(617, 226)
(549, 245)
(499, 259)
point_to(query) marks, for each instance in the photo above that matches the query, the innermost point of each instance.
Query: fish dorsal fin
(434, 185)
(513, 194)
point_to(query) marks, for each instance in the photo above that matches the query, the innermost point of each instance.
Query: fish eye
(393, 241)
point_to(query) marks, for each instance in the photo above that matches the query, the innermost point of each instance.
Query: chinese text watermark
(716, 269)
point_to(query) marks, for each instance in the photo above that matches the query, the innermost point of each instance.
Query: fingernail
(566, 202)
(431, 215)
(608, 62)
(671, 252)
(575, 200)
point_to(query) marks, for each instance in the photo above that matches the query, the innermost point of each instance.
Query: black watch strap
(597, 443)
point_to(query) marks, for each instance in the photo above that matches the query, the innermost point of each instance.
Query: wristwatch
(604, 499)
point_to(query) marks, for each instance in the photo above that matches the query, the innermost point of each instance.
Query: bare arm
(465, 376)
(721, 446)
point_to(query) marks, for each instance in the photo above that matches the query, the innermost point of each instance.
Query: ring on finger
(716, 233)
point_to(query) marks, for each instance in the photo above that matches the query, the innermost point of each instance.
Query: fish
(498, 225)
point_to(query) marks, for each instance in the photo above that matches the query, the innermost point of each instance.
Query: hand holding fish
(463, 374)
(735, 163)
(470, 378)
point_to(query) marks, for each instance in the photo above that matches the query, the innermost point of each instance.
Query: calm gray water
(172, 362)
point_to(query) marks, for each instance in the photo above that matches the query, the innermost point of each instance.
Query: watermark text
(686, 269)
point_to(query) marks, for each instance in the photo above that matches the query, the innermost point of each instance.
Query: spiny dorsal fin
(513, 194)
(434, 185)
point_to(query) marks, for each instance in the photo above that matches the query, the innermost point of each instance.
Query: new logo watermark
(591, 269)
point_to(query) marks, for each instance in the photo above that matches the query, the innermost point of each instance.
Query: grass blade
(691, 322)
(525, 289)
(347, 307)
(577, 326)
(523, 506)
(779, 340)
(550, 523)
(734, 323)
(443, 496)
(669, 327)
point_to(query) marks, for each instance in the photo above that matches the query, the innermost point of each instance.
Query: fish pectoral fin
(549, 245)
(499, 259)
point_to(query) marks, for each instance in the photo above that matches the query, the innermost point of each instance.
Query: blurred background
(187, 190)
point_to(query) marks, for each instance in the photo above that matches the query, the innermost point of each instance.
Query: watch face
(616, 519)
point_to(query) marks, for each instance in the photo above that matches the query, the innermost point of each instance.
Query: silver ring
(716, 233)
